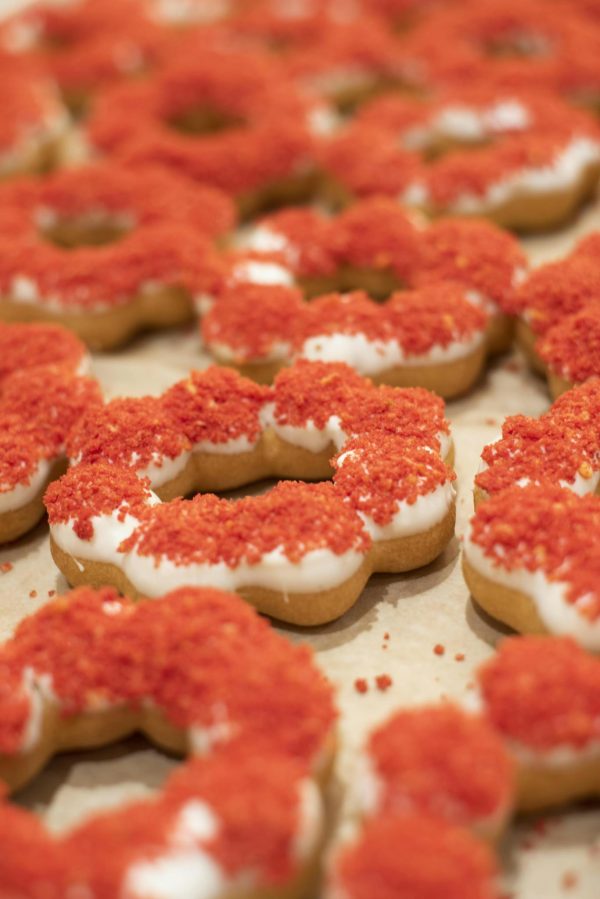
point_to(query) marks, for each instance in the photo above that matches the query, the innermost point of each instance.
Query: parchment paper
(543, 859)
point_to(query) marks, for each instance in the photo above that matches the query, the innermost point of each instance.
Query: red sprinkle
(383, 682)
(439, 649)
(361, 685)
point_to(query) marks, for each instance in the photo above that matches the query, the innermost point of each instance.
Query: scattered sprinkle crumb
(383, 682)
(386, 636)
(490, 421)
(51, 592)
(5, 567)
(361, 685)
(439, 649)
(32, 594)
(569, 880)
(459, 657)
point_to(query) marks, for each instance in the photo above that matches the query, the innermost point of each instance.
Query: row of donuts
(343, 49)
(436, 778)
(517, 154)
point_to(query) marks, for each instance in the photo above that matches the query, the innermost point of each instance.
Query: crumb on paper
(5, 567)
(361, 685)
(439, 649)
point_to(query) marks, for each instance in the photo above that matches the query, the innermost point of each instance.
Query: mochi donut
(542, 696)
(571, 349)
(527, 45)
(521, 159)
(84, 46)
(201, 670)
(530, 560)
(301, 552)
(41, 398)
(392, 858)
(34, 121)
(193, 116)
(438, 760)
(225, 824)
(550, 294)
(374, 245)
(556, 449)
(104, 252)
(432, 337)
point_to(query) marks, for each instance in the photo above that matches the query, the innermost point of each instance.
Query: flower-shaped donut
(252, 137)
(376, 247)
(542, 695)
(200, 674)
(105, 251)
(524, 160)
(84, 46)
(34, 122)
(531, 560)
(41, 398)
(525, 44)
(301, 552)
(561, 448)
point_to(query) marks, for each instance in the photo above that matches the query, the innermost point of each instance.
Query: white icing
(185, 870)
(162, 468)
(371, 357)
(229, 448)
(108, 533)
(257, 271)
(317, 570)
(322, 120)
(415, 518)
(263, 239)
(561, 174)
(308, 436)
(21, 494)
(311, 819)
(187, 12)
(549, 597)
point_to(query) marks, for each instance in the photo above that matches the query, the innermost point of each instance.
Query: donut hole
(92, 230)
(203, 119)
(75, 785)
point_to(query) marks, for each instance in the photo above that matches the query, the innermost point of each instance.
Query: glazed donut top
(318, 404)
(559, 448)
(571, 349)
(547, 530)
(377, 234)
(556, 290)
(161, 223)
(261, 122)
(527, 44)
(525, 133)
(422, 760)
(373, 865)
(238, 817)
(231, 677)
(542, 694)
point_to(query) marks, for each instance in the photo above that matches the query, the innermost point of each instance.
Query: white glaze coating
(317, 570)
(20, 495)
(371, 357)
(549, 597)
(421, 516)
(308, 436)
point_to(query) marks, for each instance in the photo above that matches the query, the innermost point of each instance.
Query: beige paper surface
(559, 857)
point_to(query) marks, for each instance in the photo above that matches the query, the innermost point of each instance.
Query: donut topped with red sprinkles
(549, 530)
(25, 346)
(556, 290)
(372, 864)
(94, 238)
(542, 694)
(208, 642)
(554, 449)
(422, 760)
(571, 349)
